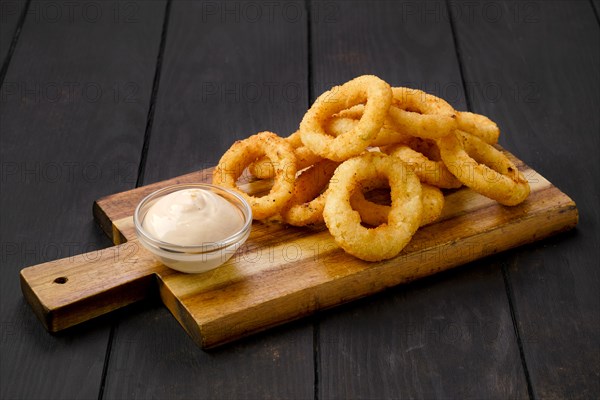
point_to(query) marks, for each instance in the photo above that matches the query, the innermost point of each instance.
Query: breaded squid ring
(344, 223)
(478, 125)
(421, 114)
(263, 168)
(375, 214)
(483, 168)
(244, 152)
(368, 89)
(308, 198)
(346, 120)
(432, 172)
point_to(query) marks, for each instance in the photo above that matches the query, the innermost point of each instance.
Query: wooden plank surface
(11, 13)
(554, 286)
(223, 78)
(59, 121)
(553, 277)
(401, 344)
(283, 273)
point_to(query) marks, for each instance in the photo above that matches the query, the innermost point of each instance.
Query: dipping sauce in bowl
(193, 227)
(191, 216)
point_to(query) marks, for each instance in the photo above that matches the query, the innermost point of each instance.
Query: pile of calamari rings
(365, 137)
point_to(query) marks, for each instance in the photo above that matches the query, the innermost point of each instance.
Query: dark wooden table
(101, 96)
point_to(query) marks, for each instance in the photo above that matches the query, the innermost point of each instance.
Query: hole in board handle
(60, 280)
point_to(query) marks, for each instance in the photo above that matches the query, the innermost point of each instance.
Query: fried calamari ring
(478, 125)
(308, 198)
(348, 119)
(417, 154)
(244, 152)
(375, 214)
(483, 168)
(433, 204)
(344, 223)
(294, 139)
(337, 125)
(421, 114)
(264, 168)
(367, 89)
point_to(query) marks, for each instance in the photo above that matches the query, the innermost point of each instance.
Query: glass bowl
(203, 256)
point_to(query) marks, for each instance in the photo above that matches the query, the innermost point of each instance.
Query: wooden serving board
(282, 273)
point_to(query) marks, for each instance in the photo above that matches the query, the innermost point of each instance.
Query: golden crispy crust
(429, 171)
(478, 125)
(369, 90)
(264, 168)
(348, 119)
(308, 198)
(421, 114)
(244, 152)
(483, 168)
(344, 223)
(375, 214)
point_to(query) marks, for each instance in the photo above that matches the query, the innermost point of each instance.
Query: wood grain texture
(58, 155)
(69, 291)
(283, 273)
(230, 69)
(596, 5)
(242, 71)
(432, 338)
(428, 332)
(555, 284)
(364, 351)
(10, 14)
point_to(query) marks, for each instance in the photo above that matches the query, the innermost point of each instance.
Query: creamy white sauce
(192, 217)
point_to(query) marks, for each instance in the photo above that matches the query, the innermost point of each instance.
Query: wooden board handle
(71, 290)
